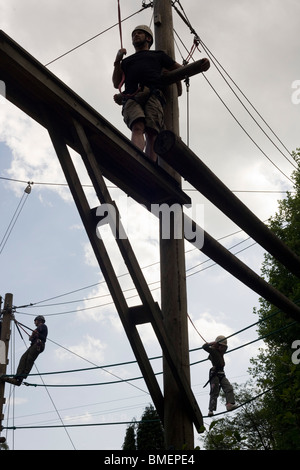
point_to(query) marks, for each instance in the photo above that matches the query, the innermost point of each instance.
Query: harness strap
(213, 373)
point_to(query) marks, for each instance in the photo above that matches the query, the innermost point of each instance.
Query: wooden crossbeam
(186, 71)
(172, 149)
(151, 309)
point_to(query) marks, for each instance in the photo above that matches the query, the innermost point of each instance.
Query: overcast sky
(47, 260)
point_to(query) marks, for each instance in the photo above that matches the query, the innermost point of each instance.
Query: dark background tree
(273, 420)
(147, 435)
(150, 433)
(129, 441)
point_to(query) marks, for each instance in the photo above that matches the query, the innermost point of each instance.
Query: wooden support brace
(138, 315)
(176, 153)
(186, 71)
(150, 308)
(105, 265)
(29, 83)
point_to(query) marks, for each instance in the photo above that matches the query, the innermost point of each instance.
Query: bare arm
(117, 72)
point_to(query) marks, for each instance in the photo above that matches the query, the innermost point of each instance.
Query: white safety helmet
(40, 318)
(221, 340)
(146, 29)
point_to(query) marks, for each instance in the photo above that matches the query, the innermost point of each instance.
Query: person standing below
(143, 99)
(38, 340)
(217, 378)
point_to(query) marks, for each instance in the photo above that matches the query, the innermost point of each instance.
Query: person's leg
(137, 134)
(26, 362)
(150, 139)
(134, 118)
(213, 395)
(154, 124)
(228, 390)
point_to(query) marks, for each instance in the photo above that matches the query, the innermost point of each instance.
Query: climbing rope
(120, 23)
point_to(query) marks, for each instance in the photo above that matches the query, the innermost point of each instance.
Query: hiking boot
(231, 406)
(210, 413)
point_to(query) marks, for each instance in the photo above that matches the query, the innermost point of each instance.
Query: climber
(217, 378)
(143, 99)
(37, 339)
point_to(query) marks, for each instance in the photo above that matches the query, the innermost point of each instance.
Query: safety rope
(120, 24)
(195, 46)
(121, 43)
(196, 328)
(130, 95)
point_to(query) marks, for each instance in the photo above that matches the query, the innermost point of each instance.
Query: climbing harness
(215, 373)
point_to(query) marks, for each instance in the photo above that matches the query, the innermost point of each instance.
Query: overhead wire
(215, 62)
(189, 274)
(129, 422)
(81, 357)
(94, 37)
(188, 23)
(44, 183)
(159, 373)
(14, 427)
(38, 303)
(15, 217)
(104, 367)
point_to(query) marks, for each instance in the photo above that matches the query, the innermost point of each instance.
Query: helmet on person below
(221, 340)
(40, 318)
(146, 29)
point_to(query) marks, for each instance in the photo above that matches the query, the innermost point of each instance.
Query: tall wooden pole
(177, 424)
(5, 337)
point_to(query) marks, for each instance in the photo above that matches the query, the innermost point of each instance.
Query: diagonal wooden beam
(171, 148)
(105, 264)
(29, 83)
(150, 307)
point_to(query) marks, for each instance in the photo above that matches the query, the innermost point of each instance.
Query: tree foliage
(271, 422)
(146, 435)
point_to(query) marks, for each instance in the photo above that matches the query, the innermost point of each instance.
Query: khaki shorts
(141, 107)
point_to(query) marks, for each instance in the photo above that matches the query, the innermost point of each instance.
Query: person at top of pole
(143, 99)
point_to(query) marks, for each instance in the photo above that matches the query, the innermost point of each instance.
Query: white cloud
(90, 348)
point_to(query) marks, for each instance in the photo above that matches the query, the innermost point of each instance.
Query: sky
(46, 259)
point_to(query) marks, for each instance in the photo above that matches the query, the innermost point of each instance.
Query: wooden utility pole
(177, 423)
(5, 337)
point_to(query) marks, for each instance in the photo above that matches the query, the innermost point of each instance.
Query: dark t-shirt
(215, 357)
(42, 331)
(145, 68)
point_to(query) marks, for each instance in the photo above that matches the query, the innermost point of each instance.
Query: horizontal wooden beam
(172, 149)
(32, 87)
(218, 253)
(186, 71)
